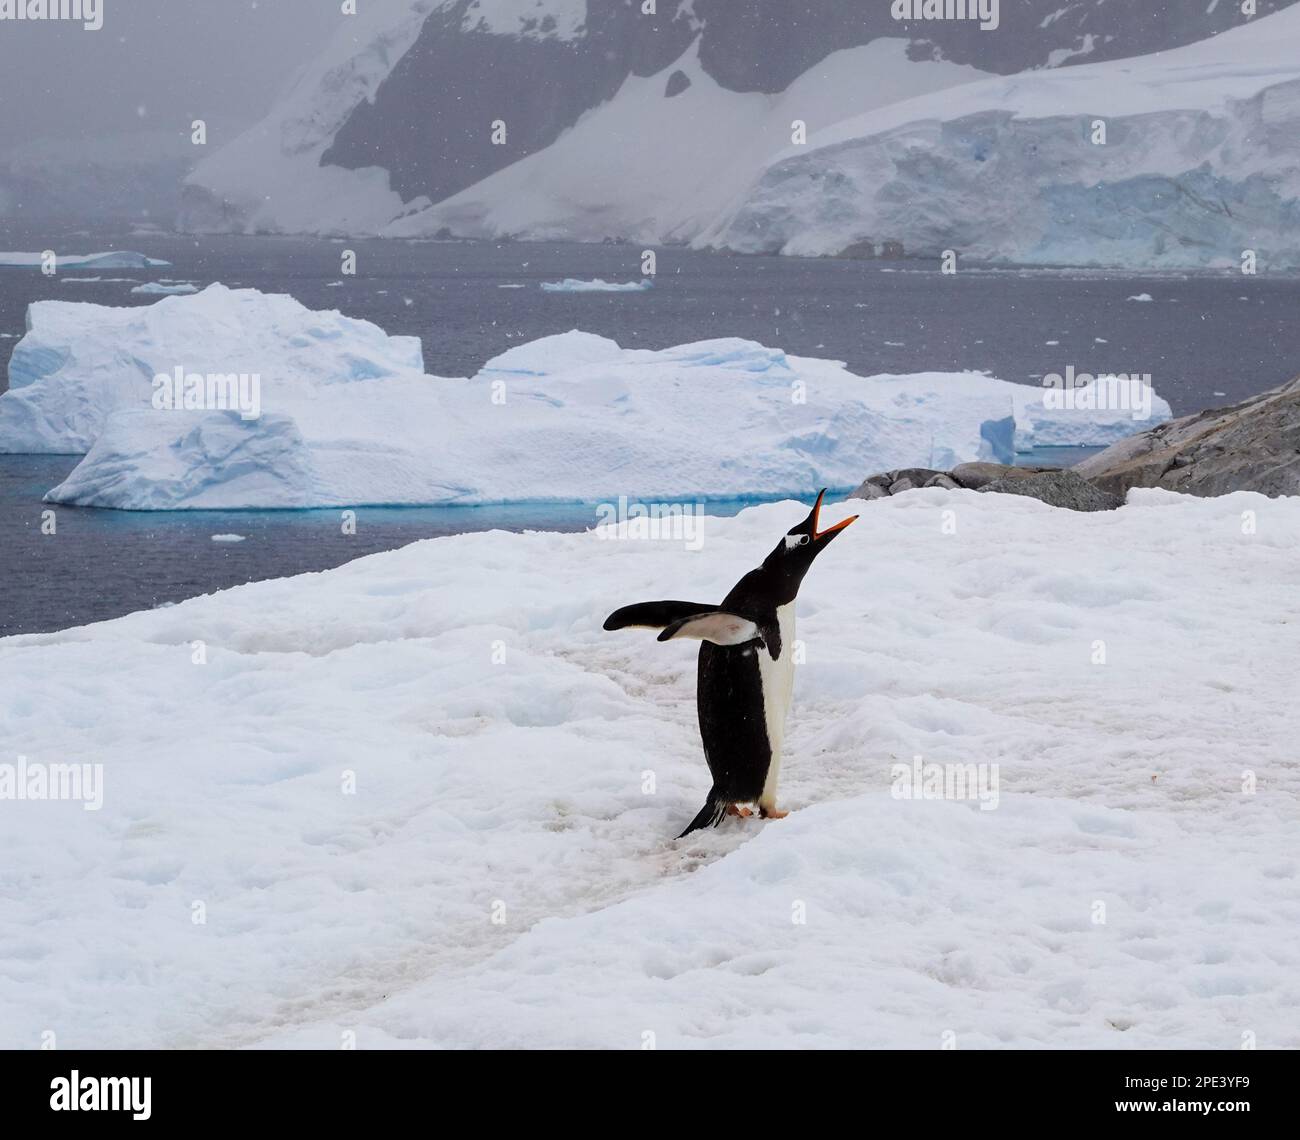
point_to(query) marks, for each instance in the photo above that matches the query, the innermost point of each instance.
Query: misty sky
(220, 60)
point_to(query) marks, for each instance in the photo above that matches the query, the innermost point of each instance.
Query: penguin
(745, 677)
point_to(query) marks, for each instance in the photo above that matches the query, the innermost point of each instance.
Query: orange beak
(817, 512)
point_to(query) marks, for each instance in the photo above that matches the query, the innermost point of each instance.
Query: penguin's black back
(733, 723)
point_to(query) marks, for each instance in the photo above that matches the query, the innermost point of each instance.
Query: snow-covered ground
(347, 415)
(425, 799)
(1199, 160)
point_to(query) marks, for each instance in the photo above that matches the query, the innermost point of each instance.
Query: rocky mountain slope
(1251, 446)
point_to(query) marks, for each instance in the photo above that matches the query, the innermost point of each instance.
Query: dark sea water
(1206, 340)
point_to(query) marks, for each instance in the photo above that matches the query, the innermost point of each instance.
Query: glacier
(350, 418)
(1200, 162)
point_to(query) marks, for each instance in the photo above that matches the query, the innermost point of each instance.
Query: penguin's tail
(710, 815)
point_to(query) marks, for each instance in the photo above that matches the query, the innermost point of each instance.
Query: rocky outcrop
(1062, 489)
(971, 476)
(1251, 446)
(975, 476)
(904, 479)
(1050, 485)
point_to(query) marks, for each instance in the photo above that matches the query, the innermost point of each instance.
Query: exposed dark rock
(1057, 489)
(678, 82)
(870, 490)
(947, 482)
(864, 250)
(1251, 446)
(895, 482)
(973, 476)
(1051, 485)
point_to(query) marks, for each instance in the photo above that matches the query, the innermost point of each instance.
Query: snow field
(500, 743)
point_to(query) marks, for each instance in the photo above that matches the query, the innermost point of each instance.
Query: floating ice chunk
(229, 537)
(1142, 297)
(156, 288)
(114, 259)
(573, 285)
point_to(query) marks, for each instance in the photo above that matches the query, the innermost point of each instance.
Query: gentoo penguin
(746, 669)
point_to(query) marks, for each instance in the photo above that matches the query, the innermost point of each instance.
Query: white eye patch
(793, 540)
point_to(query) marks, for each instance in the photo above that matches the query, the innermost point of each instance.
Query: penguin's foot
(771, 813)
(736, 809)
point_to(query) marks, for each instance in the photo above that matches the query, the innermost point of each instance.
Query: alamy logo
(27, 781)
(89, 13)
(985, 11)
(662, 522)
(1110, 392)
(211, 392)
(75, 1093)
(921, 781)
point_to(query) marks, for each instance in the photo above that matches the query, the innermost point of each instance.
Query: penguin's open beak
(816, 517)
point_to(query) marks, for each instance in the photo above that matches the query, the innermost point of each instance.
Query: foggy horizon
(225, 64)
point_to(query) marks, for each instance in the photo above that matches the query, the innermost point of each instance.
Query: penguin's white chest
(777, 678)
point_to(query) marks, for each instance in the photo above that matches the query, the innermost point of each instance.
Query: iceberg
(350, 418)
(78, 363)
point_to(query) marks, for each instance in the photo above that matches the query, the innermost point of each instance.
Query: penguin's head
(795, 552)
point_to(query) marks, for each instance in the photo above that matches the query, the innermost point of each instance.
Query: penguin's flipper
(719, 627)
(655, 615)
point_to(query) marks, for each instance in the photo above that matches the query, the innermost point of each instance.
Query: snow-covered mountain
(677, 125)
